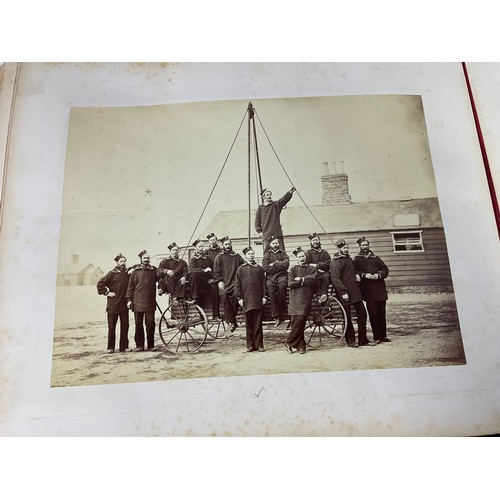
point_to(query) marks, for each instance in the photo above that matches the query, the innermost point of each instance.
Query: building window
(258, 249)
(407, 241)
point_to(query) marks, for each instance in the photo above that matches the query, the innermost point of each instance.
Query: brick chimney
(335, 187)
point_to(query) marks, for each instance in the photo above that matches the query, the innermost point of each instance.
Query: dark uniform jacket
(142, 288)
(372, 290)
(343, 277)
(278, 271)
(225, 266)
(250, 286)
(320, 257)
(301, 292)
(267, 217)
(115, 281)
(197, 265)
(213, 252)
(180, 270)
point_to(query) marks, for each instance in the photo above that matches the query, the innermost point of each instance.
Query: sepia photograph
(246, 249)
(252, 249)
(234, 237)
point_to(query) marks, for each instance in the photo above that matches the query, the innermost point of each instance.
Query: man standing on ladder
(267, 217)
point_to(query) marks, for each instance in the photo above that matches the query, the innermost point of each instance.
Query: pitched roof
(364, 216)
(78, 268)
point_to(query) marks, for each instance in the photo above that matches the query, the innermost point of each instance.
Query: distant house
(407, 234)
(78, 274)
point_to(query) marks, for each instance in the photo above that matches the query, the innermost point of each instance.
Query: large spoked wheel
(218, 329)
(326, 324)
(183, 326)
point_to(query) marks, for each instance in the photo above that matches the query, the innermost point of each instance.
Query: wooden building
(407, 234)
(78, 274)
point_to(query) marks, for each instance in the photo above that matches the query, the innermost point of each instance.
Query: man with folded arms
(373, 272)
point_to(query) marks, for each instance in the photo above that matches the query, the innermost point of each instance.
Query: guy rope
(250, 114)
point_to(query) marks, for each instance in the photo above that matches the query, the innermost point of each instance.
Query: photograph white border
(457, 400)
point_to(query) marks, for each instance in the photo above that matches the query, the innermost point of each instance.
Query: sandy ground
(424, 331)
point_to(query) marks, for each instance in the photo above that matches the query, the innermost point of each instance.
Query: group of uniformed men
(220, 273)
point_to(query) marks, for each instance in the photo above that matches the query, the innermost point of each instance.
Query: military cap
(247, 249)
(211, 235)
(272, 238)
(313, 235)
(341, 243)
(297, 251)
(360, 240)
(119, 256)
(195, 242)
(144, 252)
(172, 245)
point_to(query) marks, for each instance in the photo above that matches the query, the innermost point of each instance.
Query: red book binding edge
(487, 169)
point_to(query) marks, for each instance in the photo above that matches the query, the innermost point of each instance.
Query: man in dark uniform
(114, 286)
(346, 285)
(302, 282)
(321, 259)
(213, 248)
(267, 217)
(250, 291)
(225, 266)
(172, 274)
(276, 263)
(212, 251)
(200, 272)
(141, 296)
(373, 272)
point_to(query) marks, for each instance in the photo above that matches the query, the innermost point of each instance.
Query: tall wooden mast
(252, 132)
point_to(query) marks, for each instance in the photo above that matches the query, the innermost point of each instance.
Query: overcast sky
(138, 177)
